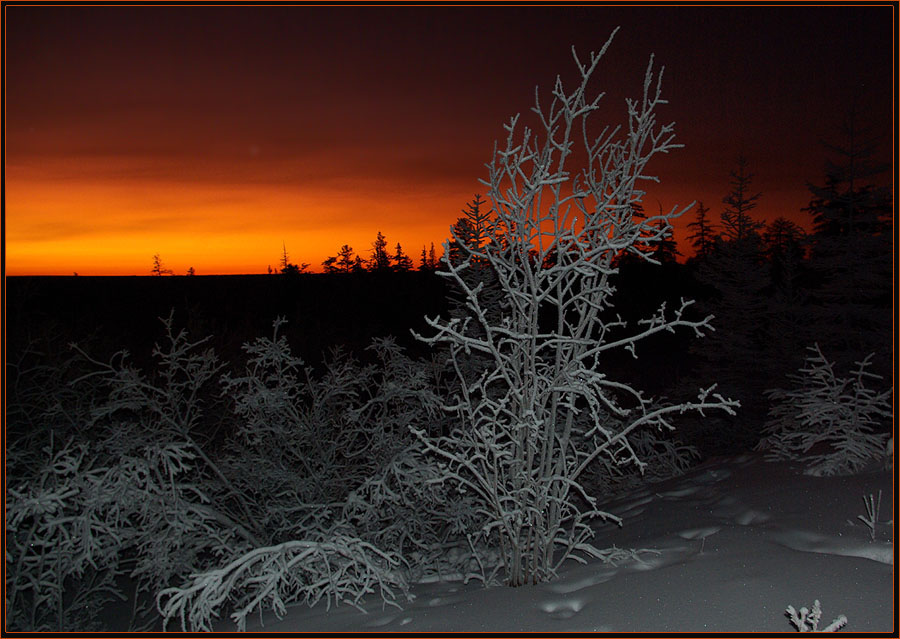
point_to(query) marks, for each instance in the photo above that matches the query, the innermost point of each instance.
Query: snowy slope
(737, 540)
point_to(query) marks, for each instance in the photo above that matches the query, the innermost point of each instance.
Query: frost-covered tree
(837, 425)
(543, 409)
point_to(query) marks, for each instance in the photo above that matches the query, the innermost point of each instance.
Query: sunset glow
(214, 135)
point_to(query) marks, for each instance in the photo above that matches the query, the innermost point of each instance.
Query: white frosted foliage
(539, 410)
(829, 422)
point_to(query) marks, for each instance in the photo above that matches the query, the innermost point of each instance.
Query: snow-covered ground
(734, 542)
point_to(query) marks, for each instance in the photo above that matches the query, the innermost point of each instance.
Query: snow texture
(734, 541)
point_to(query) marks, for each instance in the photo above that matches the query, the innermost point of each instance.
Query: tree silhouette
(851, 246)
(850, 203)
(790, 329)
(736, 221)
(345, 261)
(284, 257)
(286, 267)
(703, 237)
(402, 261)
(785, 246)
(380, 260)
(665, 249)
(428, 260)
(328, 265)
(158, 269)
(735, 273)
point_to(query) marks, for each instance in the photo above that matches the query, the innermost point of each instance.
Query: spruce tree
(851, 247)
(380, 260)
(703, 236)
(401, 260)
(736, 221)
(345, 259)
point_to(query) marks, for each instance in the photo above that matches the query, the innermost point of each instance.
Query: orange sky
(210, 135)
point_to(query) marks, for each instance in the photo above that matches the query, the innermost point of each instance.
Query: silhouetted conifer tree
(343, 262)
(158, 269)
(380, 260)
(740, 353)
(665, 249)
(401, 260)
(789, 326)
(785, 246)
(703, 237)
(428, 260)
(329, 265)
(736, 221)
(345, 259)
(851, 247)
(286, 267)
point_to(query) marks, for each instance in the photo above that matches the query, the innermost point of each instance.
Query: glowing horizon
(211, 135)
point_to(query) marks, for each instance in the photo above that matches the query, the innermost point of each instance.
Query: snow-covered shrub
(305, 440)
(829, 422)
(409, 508)
(137, 484)
(340, 570)
(807, 620)
(327, 463)
(62, 540)
(532, 420)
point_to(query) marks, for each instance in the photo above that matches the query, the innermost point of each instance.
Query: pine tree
(287, 268)
(851, 247)
(703, 237)
(380, 260)
(428, 261)
(665, 249)
(158, 269)
(735, 273)
(401, 260)
(784, 244)
(328, 266)
(789, 326)
(736, 221)
(285, 262)
(345, 261)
